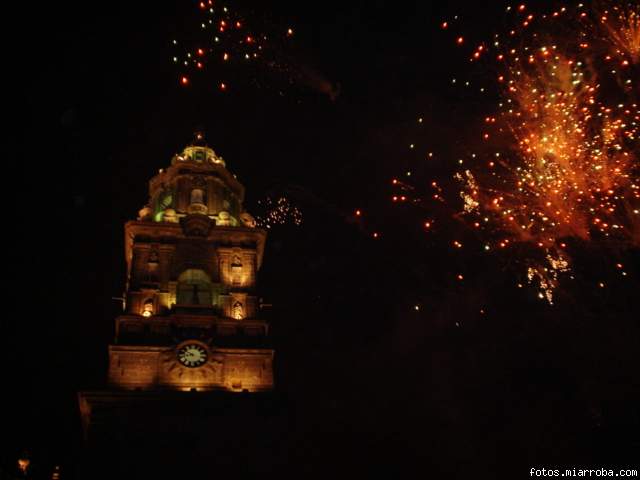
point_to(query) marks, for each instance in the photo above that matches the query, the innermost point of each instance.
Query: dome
(198, 152)
(197, 183)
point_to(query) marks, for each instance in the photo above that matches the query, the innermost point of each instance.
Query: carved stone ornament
(247, 220)
(198, 182)
(224, 218)
(145, 213)
(170, 215)
(200, 208)
(196, 225)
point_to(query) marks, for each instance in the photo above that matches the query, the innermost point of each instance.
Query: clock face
(192, 355)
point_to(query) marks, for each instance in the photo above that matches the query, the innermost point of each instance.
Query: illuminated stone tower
(191, 316)
(190, 369)
(191, 319)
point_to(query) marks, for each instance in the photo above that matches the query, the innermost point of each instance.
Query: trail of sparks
(223, 38)
(622, 29)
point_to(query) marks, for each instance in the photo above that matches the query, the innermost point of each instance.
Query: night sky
(376, 339)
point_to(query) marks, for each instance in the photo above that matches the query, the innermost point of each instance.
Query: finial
(198, 138)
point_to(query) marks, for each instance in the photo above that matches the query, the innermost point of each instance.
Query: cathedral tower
(191, 319)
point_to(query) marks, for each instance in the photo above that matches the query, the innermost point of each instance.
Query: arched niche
(194, 288)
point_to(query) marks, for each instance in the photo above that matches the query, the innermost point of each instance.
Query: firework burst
(222, 38)
(565, 142)
(555, 165)
(278, 212)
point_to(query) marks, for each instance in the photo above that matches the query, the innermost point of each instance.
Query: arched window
(197, 195)
(153, 256)
(236, 270)
(238, 311)
(200, 155)
(147, 309)
(194, 288)
(152, 266)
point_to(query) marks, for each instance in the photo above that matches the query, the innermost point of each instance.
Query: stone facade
(137, 367)
(192, 260)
